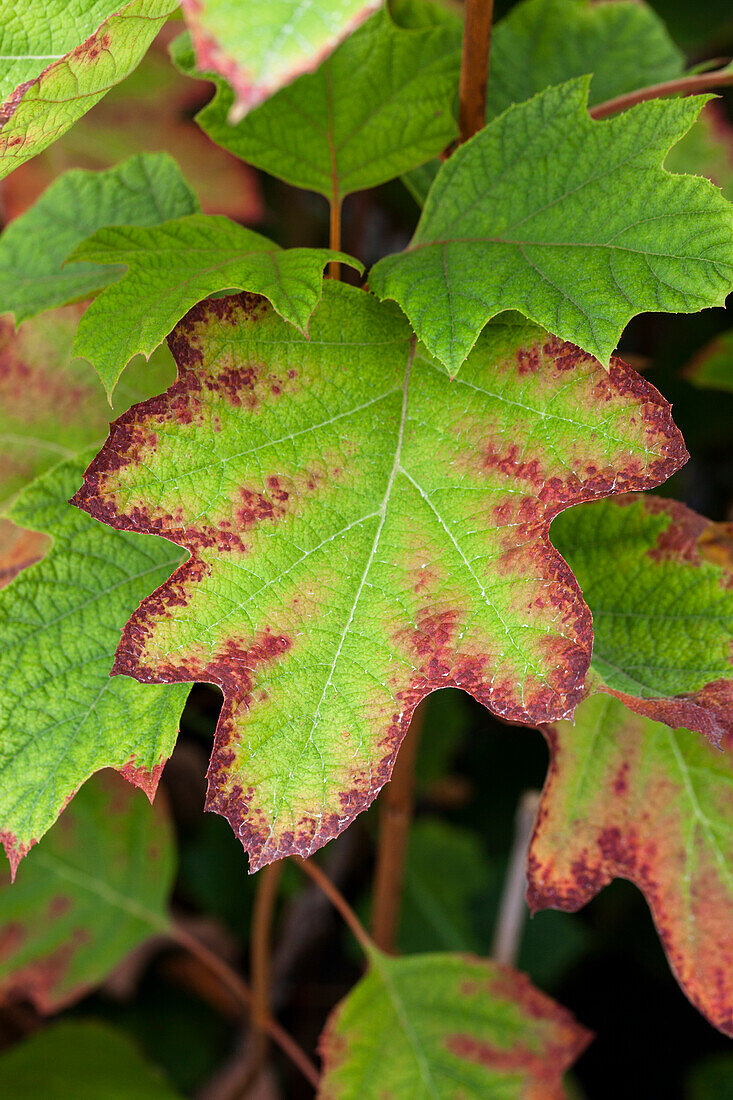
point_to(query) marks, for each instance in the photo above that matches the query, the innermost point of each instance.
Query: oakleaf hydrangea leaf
(362, 530)
(712, 367)
(259, 48)
(173, 266)
(95, 887)
(51, 404)
(572, 222)
(433, 1027)
(44, 106)
(334, 131)
(80, 1059)
(144, 190)
(630, 798)
(662, 611)
(18, 550)
(61, 716)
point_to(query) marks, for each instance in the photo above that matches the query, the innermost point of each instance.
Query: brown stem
(231, 980)
(395, 817)
(334, 241)
(338, 901)
(268, 882)
(683, 85)
(474, 67)
(513, 907)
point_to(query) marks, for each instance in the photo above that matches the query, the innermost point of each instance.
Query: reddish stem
(474, 67)
(334, 241)
(683, 85)
(268, 882)
(395, 817)
(338, 901)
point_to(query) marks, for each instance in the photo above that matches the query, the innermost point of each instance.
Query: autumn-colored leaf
(571, 221)
(435, 1027)
(259, 48)
(61, 716)
(94, 888)
(659, 582)
(18, 550)
(361, 532)
(44, 106)
(630, 798)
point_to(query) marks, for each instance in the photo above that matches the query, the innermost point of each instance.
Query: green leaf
(51, 404)
(259, 48)
(80, 1060)
(706, 150)
(42, 108)
(362, 531)
(572, 222)
(173, 266)
(657, 578)
(382, 103)
(95, 888)
(145, 190)
(627, 797)
(18, 550)
(712, 367)
(61, 716)
(539, 43)
(433, 1027)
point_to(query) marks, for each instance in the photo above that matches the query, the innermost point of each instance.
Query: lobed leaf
(95, 888)
(261, 47)
(572, 222)
(51, 404)
(61, 716)
(629, 798)
(362, 531)
(44, 106)
(381, 104)
(712, 367)
(145, 190)
(433, 1027)
(173, 266)
(80, 1060)
(662, 607)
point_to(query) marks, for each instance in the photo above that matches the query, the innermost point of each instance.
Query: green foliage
(80, 1060)
(425, 1025)
(42, 109)
(572, 222)
(52, 404)
(173, 266)
(628, 797)
(662, 609)
(712, 369)
(334, 131)
(95, 888)
(61, 715)
(261, 47)
(145, 190)
(363, 531)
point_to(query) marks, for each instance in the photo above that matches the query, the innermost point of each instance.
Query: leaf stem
(513, 906)
(474, 67)
(334, 241)
(683, 85)
(339, 903)
(395, 818)
(241, 991)
(268, 882)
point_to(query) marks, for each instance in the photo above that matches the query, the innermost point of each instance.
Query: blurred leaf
(80, 1061)
(18, 550)
(445, 726)
(706, 149)
(712, 1079)
(145, 190)
(435, 1026)
(95, 887)
(712, 368)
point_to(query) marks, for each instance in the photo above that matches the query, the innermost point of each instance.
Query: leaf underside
(627, 797)
(571, 221)
(95, 888)
(658, 579)
(362, 531)
(434, 1027)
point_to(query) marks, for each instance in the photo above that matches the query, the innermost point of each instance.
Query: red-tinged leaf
(259, 48)
(630, 798)
(659, 582)
(92, 890)
(18, 550)
(362, 531)
(439, 1027)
